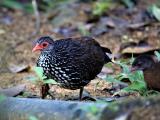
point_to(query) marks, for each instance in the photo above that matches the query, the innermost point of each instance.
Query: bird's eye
(44, 44)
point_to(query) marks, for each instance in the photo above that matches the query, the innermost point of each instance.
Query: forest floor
(16, 40)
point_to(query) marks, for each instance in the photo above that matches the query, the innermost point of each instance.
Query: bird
(71, 62)
(150, 68)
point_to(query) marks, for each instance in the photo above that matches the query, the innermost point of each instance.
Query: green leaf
(42, 77)
(101, 7)
(157, 55)
(156, 12)
(50, 81)
(39, 72)
(136, 86)
(121, 76)
(92, 109)
(136, 76)
(12, 4)
(83, 30)
(2, 97)
(31, 78)
(28, 7)
(137, 82)
(125, 68)
(111, 78)
(128, 3)
(32, 118)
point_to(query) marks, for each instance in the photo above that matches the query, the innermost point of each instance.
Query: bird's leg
(81, 93)
(45, 91)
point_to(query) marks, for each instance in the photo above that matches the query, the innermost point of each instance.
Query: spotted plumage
(72, 62)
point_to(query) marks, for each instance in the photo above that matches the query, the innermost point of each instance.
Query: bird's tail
(107, 50)
(108, 54)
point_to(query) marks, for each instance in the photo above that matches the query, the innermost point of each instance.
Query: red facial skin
(39, 47)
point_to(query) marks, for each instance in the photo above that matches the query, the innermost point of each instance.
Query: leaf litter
(134, 23)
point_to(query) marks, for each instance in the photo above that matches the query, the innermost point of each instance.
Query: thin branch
(37, 15)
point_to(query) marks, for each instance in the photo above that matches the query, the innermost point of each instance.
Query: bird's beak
(36, 48)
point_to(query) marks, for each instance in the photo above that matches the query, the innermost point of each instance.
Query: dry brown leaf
(138, 50)
(18, 68)
(13, 91)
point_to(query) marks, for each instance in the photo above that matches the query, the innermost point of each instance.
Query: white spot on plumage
(66, 76)
(61, 71)
(56, 72)
(52, 72)
(67, 69)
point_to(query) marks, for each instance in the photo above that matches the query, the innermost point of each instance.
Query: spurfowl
(72, 62)
(151, 70)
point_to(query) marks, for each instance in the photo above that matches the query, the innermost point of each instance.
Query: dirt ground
(16, 39)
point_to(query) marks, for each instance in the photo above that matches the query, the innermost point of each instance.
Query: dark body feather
(73, 62)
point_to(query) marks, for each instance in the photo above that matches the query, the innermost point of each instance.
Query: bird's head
(42, 43)
(142, 62)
